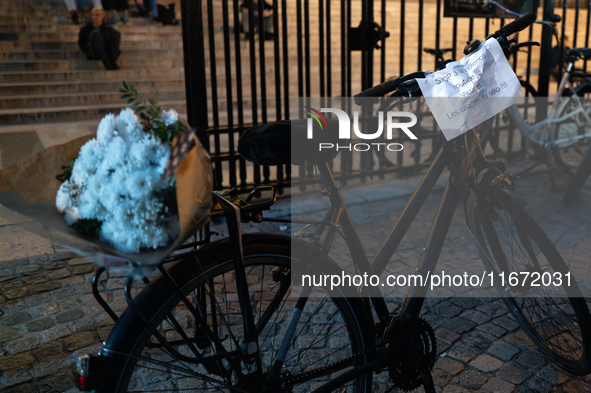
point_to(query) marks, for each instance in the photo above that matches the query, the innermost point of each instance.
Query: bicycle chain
(402, 360)
(290, 381)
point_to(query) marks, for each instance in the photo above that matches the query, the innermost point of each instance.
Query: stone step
(82, 86)
(30, 27)
(73, 99)
(87, 75)
(83, 64)
(69, 113)
(25, 19)
(125, 45)
(31, 55)
(63, 36)
(9, 46)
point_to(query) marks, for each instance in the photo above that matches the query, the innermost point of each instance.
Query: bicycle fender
(509, 199)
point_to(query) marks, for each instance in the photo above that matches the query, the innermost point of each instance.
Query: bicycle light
(82, 377)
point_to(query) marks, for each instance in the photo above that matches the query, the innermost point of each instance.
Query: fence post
(545, 53)
(194, 59)
(367, 50)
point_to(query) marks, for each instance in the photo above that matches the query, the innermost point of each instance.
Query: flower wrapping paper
(29, 187)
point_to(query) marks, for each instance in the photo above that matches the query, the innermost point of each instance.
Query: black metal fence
(329, 48)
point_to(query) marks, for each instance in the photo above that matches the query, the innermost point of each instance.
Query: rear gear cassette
(411, 349)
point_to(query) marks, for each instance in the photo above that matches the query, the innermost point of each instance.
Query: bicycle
(565, 134)
(221, 317)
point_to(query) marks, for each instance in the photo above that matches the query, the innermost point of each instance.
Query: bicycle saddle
(580, 52)
(273, 143)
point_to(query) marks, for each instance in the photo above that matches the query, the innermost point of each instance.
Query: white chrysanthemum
(120, 235)
(106, 129)
(170, 117)
(94, 184)
(119, 180)
(128, 125)
(72, 215)
(116, 153)
(140, 153)
(87, 205)
(154, 236)
(139, 184)
(62, 199)
(109, 198)
(90, 157)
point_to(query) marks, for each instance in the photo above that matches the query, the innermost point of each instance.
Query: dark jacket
(111, 40)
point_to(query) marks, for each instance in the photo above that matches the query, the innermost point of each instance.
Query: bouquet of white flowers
(135, 191)
(116, 188)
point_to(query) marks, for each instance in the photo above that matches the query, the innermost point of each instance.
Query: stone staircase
(45, 79)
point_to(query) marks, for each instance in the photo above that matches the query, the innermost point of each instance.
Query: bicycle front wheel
(203, 349)
(581, 175)
(555, 318)
(571, 137)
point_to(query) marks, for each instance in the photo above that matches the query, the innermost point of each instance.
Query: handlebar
(407, 85)
(519, 24)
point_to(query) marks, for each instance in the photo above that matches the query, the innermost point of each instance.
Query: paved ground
(48, 314)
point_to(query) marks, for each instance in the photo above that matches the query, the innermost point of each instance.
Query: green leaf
(88, 227)
(129, 100)
(125, 85)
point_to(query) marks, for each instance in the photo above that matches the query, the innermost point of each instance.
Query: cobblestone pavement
(48, 314)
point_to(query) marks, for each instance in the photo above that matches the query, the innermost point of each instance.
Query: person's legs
(98, 51)
(97, 46)
(73, 10)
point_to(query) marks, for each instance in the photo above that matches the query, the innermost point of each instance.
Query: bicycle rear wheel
(572, 136)
(555, 318)
(210, 355)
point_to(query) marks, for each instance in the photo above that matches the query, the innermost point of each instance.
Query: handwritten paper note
(472, 90)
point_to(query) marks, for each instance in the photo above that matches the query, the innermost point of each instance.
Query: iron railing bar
(402, 38)
(576, 26)
(349, 57)
(383, 50)
(420, 47)
(229, 96)
(299, 38)
(321, 40)
(285, 59)
(344, 35)
(307, 81)
(263, 85)
(454, 44)
(328, 51)
(219, 176)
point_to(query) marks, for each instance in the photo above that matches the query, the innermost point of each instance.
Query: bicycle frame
(453, 154)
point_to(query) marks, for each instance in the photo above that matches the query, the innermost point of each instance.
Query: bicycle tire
(580, 177)
(568, 155)
(344, 319)
(559, 326)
